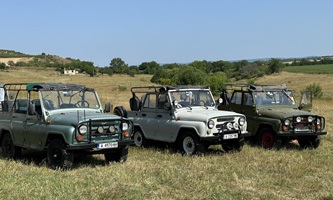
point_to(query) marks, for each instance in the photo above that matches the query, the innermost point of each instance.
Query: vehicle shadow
(289, 145)
(174, 149)
(39, 159)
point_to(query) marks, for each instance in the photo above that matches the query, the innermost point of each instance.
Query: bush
(315, 90)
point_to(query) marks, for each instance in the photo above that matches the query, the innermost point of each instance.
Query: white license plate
(107, 145)
(302, 128)
(230, 136)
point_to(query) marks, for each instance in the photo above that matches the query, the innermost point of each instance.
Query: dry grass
(161, 173)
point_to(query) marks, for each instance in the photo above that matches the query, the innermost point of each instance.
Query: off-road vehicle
(186, 116)
(273, 115)
(61, 119)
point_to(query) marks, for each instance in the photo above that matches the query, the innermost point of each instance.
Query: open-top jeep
(186, 116)
(273, 115)
(61, 119)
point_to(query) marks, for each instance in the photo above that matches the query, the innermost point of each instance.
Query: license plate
(230, 136)
(107, 145)
(302, 128)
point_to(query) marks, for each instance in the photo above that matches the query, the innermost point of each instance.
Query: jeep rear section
(273, 114)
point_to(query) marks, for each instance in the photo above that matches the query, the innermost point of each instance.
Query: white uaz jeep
(183, 115)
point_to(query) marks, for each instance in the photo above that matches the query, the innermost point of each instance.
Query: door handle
(144, 115)
(159, 115)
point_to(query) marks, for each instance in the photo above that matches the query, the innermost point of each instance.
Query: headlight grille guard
(94, 124)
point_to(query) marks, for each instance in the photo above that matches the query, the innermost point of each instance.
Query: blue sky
(170, 31)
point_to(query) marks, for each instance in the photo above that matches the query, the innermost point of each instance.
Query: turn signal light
(126, 134)
(79, 137)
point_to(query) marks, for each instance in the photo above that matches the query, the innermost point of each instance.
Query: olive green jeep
(273, 115)
(61, 119)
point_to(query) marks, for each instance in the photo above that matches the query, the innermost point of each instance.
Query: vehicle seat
(21, 106)
(38, 107)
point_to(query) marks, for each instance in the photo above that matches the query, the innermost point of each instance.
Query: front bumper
(219, 136)
(93, 146)
(300, 134)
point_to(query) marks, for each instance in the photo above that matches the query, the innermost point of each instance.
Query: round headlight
(318, 121)
(211, 124)
(83, 129)
(287, 122)
(100, 129)
(125, 126)
(112, 129)
(229, 126)
(298, 119)
(236, 126)
(241, 121)
(310, 119)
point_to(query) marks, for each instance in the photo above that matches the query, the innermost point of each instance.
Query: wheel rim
(188, 145)
(267, 139)
(138, 139)
(56, 157)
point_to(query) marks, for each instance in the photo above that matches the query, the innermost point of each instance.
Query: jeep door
(148, 114)
(17, 124)
(164, 120)
(306, 101)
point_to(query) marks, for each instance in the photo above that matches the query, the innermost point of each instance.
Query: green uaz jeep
(61, 119)
(273, 115)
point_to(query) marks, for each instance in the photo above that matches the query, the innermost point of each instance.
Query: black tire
(268, 139)
(189, 144)
(233, 146)
(120, 111)
(9, 150)
(139, 138)
(120, 155)
(58, 157)
(309, 143)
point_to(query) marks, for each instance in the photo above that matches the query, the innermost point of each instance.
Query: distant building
(70, 72)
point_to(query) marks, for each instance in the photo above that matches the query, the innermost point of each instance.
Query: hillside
(42, 60)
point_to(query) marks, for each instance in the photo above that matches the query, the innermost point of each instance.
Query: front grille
(100, 130)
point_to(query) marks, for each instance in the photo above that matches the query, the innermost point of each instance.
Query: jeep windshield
(271, 98)
(64, 99)
(192, 98)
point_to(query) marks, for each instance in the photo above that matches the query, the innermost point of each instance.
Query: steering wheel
(82, 103)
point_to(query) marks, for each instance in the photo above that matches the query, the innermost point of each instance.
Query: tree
(216, 82)
(2, 66)
(202, 65)
(90, 69)
(275, 66)
(118, 66)
(189, 76)
(149, 67)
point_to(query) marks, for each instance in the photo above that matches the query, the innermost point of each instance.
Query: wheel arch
(183, 130)
(53, 136)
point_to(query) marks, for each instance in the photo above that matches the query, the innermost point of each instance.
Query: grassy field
(311, 69)
(162, 173)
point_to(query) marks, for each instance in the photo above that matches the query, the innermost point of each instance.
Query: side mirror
(108, 107)
(219, 101)
(31, 109)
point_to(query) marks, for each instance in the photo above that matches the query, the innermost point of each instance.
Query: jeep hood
(203, 114)
(280, 113)
(74, 117)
